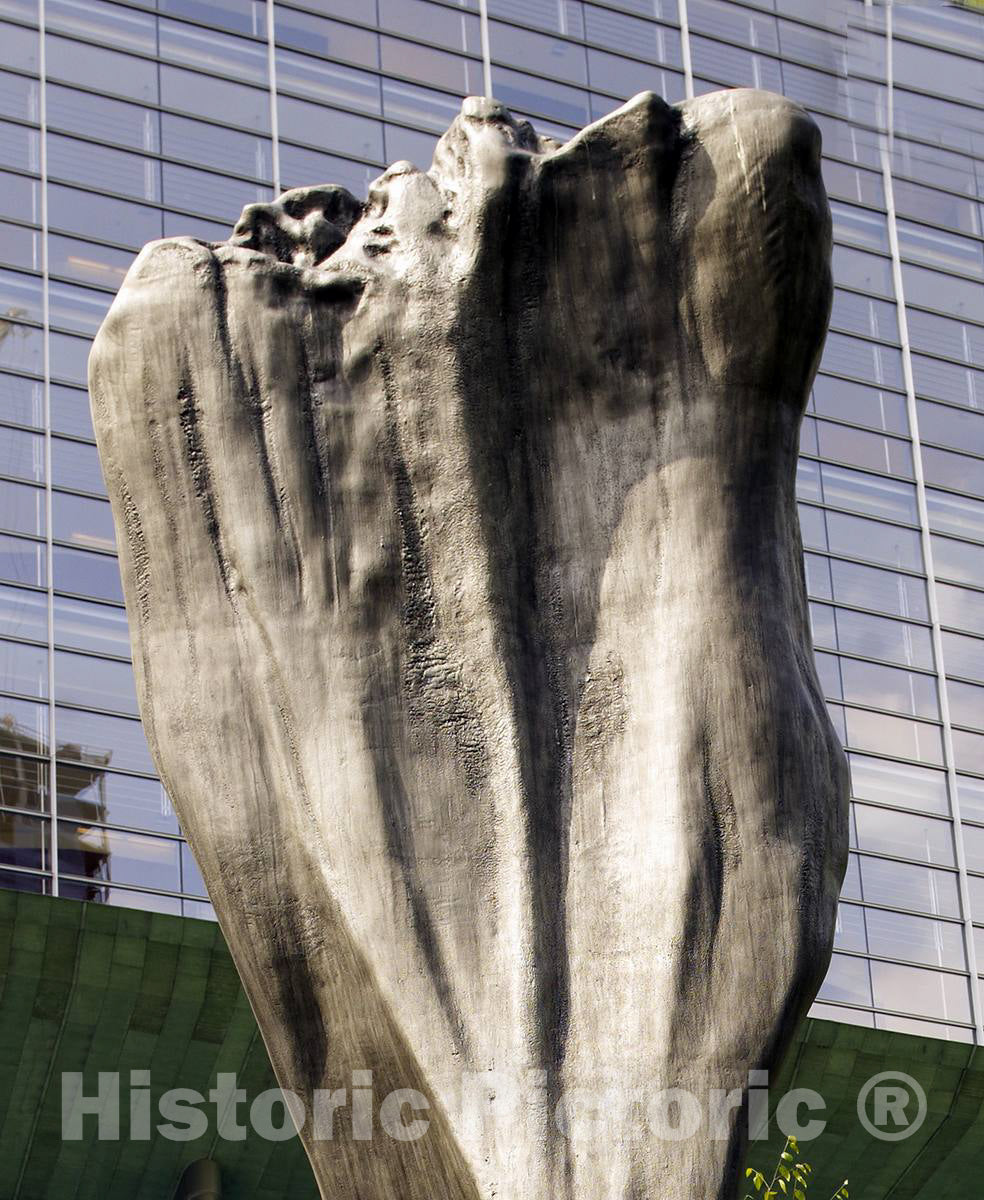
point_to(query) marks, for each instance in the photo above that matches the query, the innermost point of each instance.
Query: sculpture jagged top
(460, 550)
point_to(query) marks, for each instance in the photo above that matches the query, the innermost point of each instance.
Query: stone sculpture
(464, 577)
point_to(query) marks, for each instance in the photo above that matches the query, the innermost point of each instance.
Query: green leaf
(799, 1194)
(783, 1172)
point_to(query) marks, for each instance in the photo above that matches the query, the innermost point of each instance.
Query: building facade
(123, 121)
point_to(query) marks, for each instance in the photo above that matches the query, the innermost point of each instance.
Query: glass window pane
(20, 197)
(863, 449)
(853, 183)
(20, 247)
(103, 22)
(861, 269)
(214, 195)
(888, 782)
(88, 523)
(333, 83)
(22, 454)
(299, 165)
(84, 626)
(22, 561)
(444, 26)
(104, 741)
(23, 782)
(95, 682)
(881, 734)
(538, 52)
(207, 50)
(946, 293)
(957, 383)
(104, 70)
(218, 99)
(23, 614)
(846, 1016)
(530, 95)
(859, 226)
(211, 146)
(74, 211)
(975, 886)
(318, 35)
(953, 470)
(860, 404)
(971, 794)
(961, 607)
(24, 841)
(183, 225)
(862, 314)
(418, 106)
(860, 537)
(69, 357)
(884, 687)
(76, 308)
(904, 835)
(115, 121)
(960, 515)
(23, 669)
(899, 935)
(87, 262)
(111, 854)
(22, 400)
(943, 335)
(70, 411)
(191, 877)
(22, 509)
(18, 47)
(869, 587)
(939, 248)
(968, 749)
(959, 561)
(844, 488)
(873, 636)
(927, 993)
(330, 129)
(74, 161)
(847, 982)
(121, 897)
(20, 147)
(242, 16)
(905, 885)
(20, 296)
(95, 575)
(20, 347)
(23, 726)
(92, 794)
(863, 360)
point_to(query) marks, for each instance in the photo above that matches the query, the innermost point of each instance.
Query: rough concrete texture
(464, 576)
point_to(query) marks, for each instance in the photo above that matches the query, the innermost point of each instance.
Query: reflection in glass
(99, 740)
(105, 855)
(23, 781)
(24, 841)
(114, 799)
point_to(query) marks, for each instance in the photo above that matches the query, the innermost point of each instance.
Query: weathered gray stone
(461, 557)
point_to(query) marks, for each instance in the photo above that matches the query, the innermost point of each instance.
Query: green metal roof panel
(91, 988)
